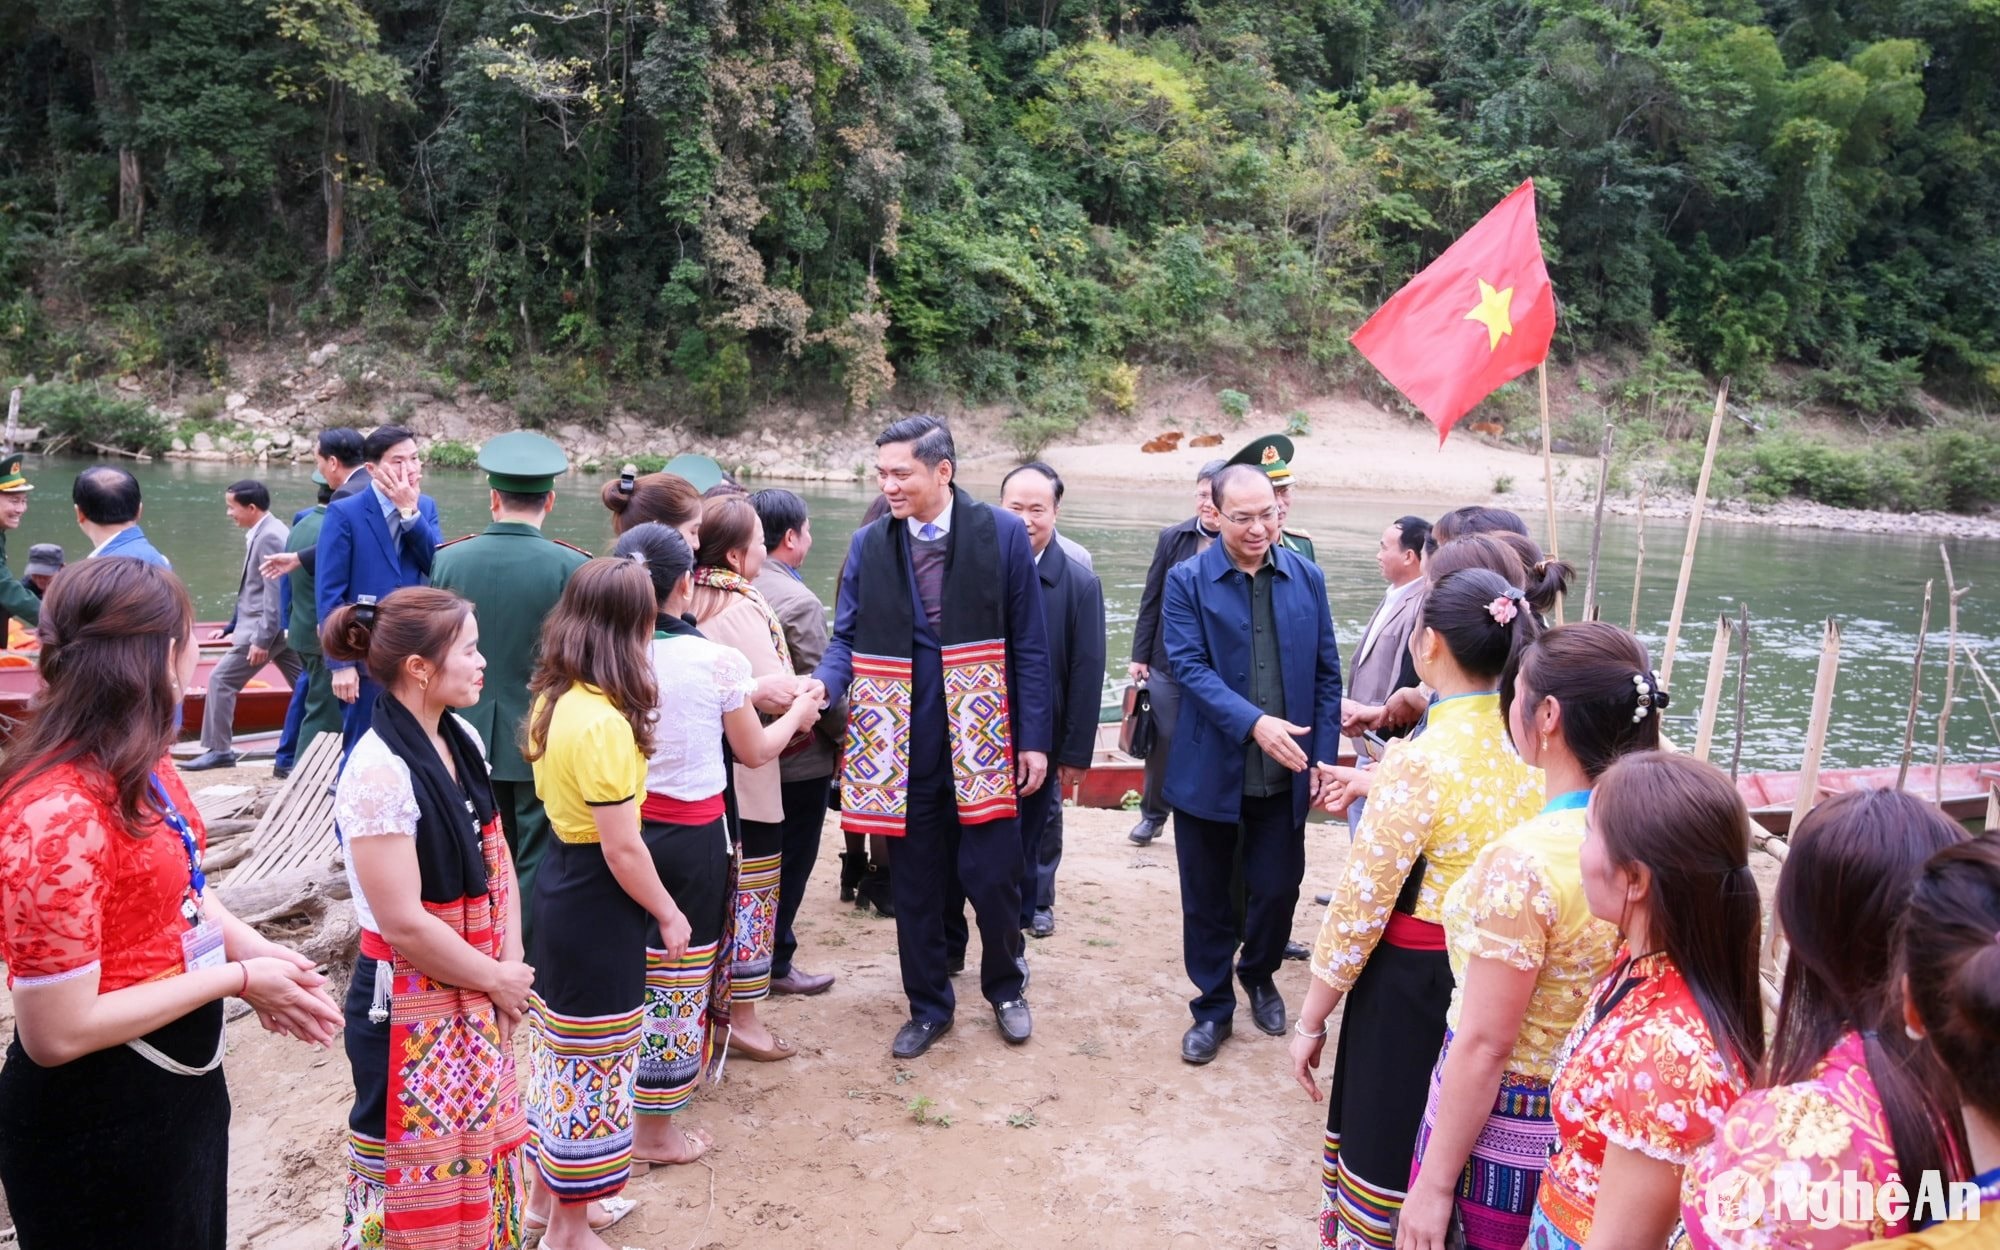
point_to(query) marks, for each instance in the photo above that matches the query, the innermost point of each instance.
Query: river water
(1792, 580)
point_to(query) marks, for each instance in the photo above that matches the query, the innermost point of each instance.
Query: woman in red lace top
(118, 955)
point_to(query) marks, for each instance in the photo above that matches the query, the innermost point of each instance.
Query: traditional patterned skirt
(1390, 1031)
(584, 1023)
(693, 862)
(1544, 1235)
(756, 911)
(1496, 1191)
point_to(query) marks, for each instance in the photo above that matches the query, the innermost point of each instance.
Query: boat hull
(260, 707)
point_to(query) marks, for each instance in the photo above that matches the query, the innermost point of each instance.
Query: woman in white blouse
(706, 695)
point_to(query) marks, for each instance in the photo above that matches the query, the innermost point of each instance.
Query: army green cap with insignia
(700, 472)
(11, 480)
(319, 479)
(523, 463)
(1271, 453)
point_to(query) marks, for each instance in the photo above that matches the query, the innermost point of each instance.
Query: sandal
(615, 1209)
(700, 1140)
(778, 1051)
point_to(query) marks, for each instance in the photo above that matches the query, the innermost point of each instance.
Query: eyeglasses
(1268, 516)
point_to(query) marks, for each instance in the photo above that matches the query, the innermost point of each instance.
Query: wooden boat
(260, 707)
(21, 642)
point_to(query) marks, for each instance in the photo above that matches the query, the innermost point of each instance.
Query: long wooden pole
(1742, 686)
(1694, 533)
(1597, 525)
(1822, 715)
(1548, 470)
(1987, 691)
(1639, 565)
(1711, 695)
(13, 420)
(1916, 691)
(1953, 593)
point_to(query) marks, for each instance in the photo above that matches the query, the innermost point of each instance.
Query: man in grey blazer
(1382, 664)
(257, 627)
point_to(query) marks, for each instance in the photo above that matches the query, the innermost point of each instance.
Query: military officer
(319, 712)
(16, 600)
(514, 574)
(1273, 454)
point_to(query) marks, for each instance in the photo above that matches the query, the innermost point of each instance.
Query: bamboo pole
(1711, 695)
(1694, 532)
(1916, 691)
(1597, 525)
(1992, 808)
(1953, 593)
(1822, 713)
(1639, 565)
(13, 420)
(1548, 470)
(1987, 691)
(1742, 685)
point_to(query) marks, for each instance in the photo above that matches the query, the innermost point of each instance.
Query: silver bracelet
(1299, 1027)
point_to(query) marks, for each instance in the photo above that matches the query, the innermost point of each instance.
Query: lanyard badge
(201, 942)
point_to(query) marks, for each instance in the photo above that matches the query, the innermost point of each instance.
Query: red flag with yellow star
(1479, 315)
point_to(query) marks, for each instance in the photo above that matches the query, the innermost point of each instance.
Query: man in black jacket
(1073, 606)
(1149, 648)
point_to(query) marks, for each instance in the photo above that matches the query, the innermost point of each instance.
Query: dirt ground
(1093, 1134)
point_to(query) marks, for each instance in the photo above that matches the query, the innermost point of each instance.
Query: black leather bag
(1138, 734)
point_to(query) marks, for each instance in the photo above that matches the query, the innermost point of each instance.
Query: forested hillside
(1007, 198)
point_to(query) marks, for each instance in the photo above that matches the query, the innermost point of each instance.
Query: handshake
(787, 694)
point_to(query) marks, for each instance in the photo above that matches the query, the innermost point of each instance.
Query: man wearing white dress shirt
(1382, 663)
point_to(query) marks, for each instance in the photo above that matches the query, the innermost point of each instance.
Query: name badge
(201, 947)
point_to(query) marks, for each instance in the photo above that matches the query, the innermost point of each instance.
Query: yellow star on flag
(1491, 312)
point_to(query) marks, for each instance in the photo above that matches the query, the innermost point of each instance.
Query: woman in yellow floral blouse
(1524, 948)
(1845, 1090)
(1671, 1037)
(1436, 802)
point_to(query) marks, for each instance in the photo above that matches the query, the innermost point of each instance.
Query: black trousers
(1166, 694)
(805, 816)
(1274, 862)
(940, 864)
(1041, 846)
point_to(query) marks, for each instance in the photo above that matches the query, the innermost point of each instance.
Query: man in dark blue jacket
(939, 648)
(376, 540)
(1250, 636)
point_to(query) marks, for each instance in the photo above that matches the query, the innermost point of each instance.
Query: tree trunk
(131, 190)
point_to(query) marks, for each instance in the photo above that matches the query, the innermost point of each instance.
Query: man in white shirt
(1382, 664)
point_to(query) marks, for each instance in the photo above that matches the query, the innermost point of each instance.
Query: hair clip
(364, 610)
(628, 477)
(1502, 609)
(1652, 698)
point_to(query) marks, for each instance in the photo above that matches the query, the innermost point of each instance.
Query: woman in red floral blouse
(114, 1116)
(1673, 1034)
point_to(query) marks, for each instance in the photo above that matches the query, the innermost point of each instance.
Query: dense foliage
(722, 197)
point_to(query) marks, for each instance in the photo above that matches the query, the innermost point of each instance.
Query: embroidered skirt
(589, 955)
(1391, 1028)
(111, 1150)
(1496, 1190)
(451, 1176)
(756, 911)
(693, 863)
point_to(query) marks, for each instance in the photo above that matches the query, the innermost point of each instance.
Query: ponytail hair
(414, 621)
(1483, 620)
(1601, 678)
(1547, 578)
(664, 497)
(664, 553)
(1950, 943)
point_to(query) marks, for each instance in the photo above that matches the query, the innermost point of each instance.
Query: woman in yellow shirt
(1525, 950)
(1436, 802)
(597, 896)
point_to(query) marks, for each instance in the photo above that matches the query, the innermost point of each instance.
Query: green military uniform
(16, 600)
(1273, 454)
(322, 711)
(514, 574)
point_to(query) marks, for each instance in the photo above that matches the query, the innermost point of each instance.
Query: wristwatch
(408, 514)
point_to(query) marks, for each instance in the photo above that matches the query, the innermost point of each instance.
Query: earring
(1545, 744)
(424, 684)
(1913, 1033)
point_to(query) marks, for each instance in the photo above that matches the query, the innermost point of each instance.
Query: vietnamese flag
(1479, 315)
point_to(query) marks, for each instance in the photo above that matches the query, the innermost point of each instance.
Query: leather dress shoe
(280, 771)
(1144, 832)
(1015, 1023)
(1199, 1044)
(1043, 924)
(802, 983)
(207, 760)
(917, 1036)
(1267, 1008)
(1297, 950)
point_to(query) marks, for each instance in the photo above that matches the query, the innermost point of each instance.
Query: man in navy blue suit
(1250, 637)
(374, 541)
(940, 649)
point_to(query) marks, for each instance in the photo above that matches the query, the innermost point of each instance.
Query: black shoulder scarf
(450, 814)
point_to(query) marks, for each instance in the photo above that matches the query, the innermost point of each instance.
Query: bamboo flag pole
(1953, 593)
(1742, 685)
(1597, 525)
(1548, 470)
(1916, 691)
(1822, 714)
(1694, 533)
(1639, 565)
(1711, 695)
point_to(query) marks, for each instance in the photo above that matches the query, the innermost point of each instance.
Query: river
(1792, 580)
